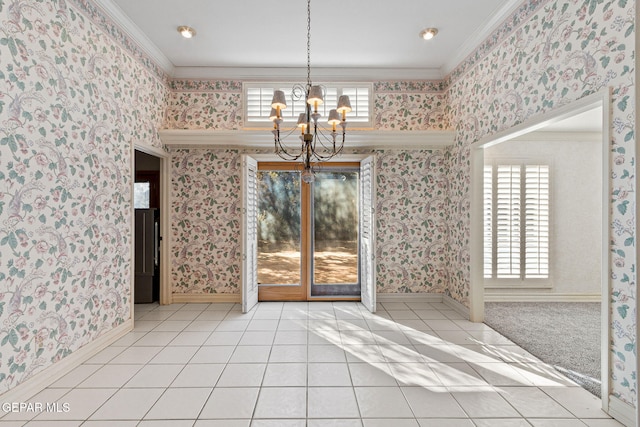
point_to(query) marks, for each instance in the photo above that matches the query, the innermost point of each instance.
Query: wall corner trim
(432, 298)
(458, 307)
(622, 411)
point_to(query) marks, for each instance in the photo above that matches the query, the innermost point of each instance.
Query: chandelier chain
(308, 43)
(312, 134)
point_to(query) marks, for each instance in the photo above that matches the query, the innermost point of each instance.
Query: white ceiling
(366, 39)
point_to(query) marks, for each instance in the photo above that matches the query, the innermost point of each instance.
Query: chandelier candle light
(316, 146)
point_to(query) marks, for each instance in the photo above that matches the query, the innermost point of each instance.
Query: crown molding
(289, 73)
(472, 43)
(115, 13)
(186, 138)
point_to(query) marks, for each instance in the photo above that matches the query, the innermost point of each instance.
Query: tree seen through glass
(335, 227)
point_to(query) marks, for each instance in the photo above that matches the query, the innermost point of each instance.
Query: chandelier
(316, 145)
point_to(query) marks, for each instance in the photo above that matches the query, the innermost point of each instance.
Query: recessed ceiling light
(186, 31)
(428, 33)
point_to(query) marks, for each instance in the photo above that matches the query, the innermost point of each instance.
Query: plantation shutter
(249, 234)
(367, 235)
(536, 221)
(507, 221)
(258, 104)
(487, 218)
(516, 221)
(258, 96)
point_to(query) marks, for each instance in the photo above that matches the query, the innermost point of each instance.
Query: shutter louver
(257, 103)
(359, 98)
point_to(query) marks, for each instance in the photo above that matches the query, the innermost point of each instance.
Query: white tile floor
(315, 365)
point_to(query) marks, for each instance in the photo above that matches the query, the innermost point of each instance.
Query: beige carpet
(564, 335)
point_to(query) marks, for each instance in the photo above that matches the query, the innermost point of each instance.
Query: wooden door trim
(303, 291)
(296, 166)
(290, 292)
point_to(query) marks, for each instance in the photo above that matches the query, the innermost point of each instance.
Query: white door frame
(476, 292)
(341, 158)
(165, 246)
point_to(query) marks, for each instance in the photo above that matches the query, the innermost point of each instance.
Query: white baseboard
(459, 308)
(622, 412)
(538, 297)
(399, 297)
(434, 298)
(53, 373)
(237, 298)
(206, 298)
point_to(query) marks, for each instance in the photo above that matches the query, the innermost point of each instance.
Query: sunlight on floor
(412, 372)
(314, 365)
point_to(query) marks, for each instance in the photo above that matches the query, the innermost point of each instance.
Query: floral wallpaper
(77, 92)
(71, 103)
(549, 54)
(412, 223)
(203, 104)
(217, 105)
(205, 221)
(414, 106)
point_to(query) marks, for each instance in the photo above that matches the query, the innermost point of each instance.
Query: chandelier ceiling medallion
(316, 146)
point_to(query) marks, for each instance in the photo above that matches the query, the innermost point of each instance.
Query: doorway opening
(147, 227)
(308, 233)
(544, 288)
(317, 241)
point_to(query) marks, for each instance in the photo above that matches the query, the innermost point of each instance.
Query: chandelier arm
(316, 146)
(326, 138)
(298, 92)
(288, 134)
(283, 151)
(321, 156)
(285, 154)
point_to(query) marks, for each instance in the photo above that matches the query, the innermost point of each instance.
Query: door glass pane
(279, 260)
(335, 220)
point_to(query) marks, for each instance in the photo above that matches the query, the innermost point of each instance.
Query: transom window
(257, 103)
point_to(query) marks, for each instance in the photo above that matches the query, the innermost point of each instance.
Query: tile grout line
(343, 319)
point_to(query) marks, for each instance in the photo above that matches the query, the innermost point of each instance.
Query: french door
(308, 233)
(306, 241)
